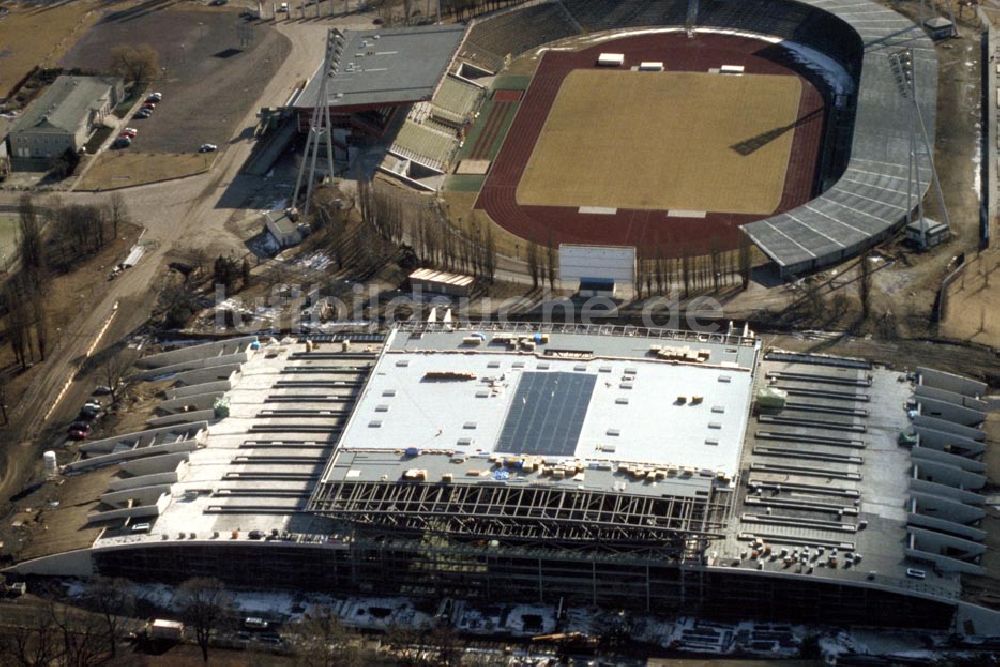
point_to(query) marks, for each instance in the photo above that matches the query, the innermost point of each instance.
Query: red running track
(651, 231)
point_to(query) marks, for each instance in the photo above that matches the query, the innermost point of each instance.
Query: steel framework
(486, 510)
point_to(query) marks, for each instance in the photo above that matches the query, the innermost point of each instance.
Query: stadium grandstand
(622, 467)
(492, 40)
(395, 86)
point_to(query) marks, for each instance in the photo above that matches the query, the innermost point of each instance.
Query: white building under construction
(617, 466)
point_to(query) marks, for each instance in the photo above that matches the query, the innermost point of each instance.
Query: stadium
(708, 122)
(654, 470)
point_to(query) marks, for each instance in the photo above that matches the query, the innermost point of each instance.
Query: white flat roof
(632, 413)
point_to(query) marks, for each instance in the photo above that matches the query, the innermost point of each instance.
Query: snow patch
(977, 160)
(832, 72)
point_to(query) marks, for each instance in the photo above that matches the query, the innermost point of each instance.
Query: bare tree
(112, 599)
(135, 64)
(3, 398)
(40, 320)
(31, 644)
(550, 261)
(113, 368)
(30, 234)
(80, 633)
(19, 316)
(324, 642)
(532, 260)
(745, 261)
(715, 255)
(117, 211)
(206, 606)
(865, 285)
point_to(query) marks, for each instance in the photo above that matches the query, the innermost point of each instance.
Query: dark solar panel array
(547, 413)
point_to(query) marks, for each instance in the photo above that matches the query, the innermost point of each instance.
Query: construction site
(789, 486)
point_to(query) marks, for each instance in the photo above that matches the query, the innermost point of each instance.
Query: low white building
(439, 282)
(284, 227)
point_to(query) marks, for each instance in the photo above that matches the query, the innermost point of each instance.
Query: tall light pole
(319, 126)
(902, 65)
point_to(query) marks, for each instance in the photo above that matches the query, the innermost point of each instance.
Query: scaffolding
(503, 511)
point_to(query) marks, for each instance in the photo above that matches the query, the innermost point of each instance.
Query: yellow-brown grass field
(124, 169)
(664, 140)
(40, 35)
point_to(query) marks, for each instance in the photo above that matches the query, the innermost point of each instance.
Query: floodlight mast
(902, 66)
(319, 124)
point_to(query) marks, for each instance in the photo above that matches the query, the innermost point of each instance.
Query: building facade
(61, 120)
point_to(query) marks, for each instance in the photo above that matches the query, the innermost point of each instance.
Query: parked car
(130, 132)
(143, 113)
(283, 7)
(154, 97)
(208, 148)
(79, 426)
(101, 390)
(122, 142)
(149, 105)
(76, 434)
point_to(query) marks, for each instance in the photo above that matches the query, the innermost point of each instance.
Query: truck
(165, 629)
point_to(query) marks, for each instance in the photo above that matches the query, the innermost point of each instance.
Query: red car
(76, 434)
(149, 105)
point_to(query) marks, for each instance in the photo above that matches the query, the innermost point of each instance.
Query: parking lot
(213, 67)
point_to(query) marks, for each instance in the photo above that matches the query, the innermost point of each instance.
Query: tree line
(389, 226)
(50, 241)
(688, 274)
(391, 221)
(91, 628)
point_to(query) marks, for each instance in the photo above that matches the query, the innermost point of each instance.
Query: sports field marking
(665, 140)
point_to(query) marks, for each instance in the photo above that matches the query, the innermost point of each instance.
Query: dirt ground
(8, 238)
(973, 302)
(677, 153)
(126, 168)
(214, 66)
(38, 34)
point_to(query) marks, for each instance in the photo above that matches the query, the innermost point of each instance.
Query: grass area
(40, 34)
(472, 138)
(8, 238)
(122, 169)
(96, 139)
(508, 119)
(134, 93)
(512, 82)
(477, 129)
(703, 142)
(464, 182)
